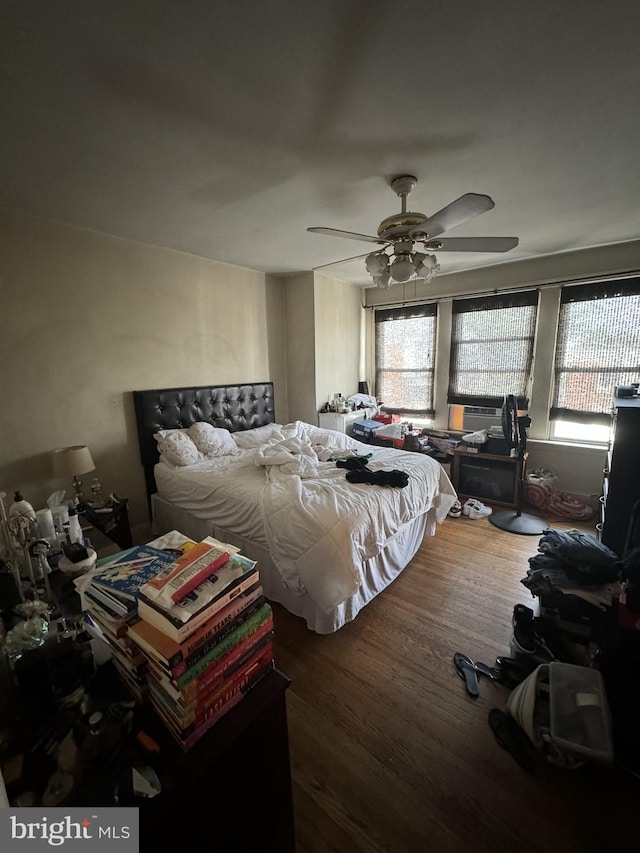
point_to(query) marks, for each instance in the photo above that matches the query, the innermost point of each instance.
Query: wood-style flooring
(390, 754)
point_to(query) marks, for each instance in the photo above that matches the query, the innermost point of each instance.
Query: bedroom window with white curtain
(405, 359)
(598, 347)
(492, 348)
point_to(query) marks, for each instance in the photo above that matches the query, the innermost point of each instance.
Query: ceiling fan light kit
(397, 261)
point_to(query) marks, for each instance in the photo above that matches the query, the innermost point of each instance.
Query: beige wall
(338, 309)
(323, 342)
(300, 336)
(87, 318)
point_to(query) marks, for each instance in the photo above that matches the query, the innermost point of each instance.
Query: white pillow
(212, 441)
(255, 437)
(176, 447)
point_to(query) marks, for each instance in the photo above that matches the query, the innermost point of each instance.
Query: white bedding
(318, 528)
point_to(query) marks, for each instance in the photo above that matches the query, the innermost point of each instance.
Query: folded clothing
(379, 478)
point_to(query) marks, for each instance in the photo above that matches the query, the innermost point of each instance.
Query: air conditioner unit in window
(472, 418)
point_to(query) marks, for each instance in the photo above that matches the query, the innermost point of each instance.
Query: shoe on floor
(456, 510)
(524, 634)
(476, 509)
(466, 669)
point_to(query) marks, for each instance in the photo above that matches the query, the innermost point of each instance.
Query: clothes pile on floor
(577, 581)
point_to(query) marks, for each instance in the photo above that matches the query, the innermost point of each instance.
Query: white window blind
(491, 348)
(405, 358)
(598, 347)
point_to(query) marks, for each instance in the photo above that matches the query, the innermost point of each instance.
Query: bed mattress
(294, 499)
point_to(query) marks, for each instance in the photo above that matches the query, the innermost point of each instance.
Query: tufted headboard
(234, 407)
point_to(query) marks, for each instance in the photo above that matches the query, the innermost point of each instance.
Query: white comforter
(318, 527)
(321, 527)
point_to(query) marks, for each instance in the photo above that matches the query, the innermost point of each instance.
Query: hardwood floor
(390, 754)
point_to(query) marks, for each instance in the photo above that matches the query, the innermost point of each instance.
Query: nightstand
(111, 520)
(342, 422)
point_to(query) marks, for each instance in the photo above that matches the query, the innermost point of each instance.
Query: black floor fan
(514, 427)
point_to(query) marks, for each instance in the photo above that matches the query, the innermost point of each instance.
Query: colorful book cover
(216, 674)
(188, 719)
(128, 571)
(185, 573)
(226, 577)
(262, 616)
(181, 620)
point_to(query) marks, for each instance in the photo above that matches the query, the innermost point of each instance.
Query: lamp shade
(69, 461)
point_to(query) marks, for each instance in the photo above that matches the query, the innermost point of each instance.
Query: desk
(488, 476)
(231, 791)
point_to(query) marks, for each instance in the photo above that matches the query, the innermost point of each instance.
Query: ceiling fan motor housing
(400, 224)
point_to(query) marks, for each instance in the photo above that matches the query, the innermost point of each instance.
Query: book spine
(220, 697)
(186, 715)
(203, 727)
(204, 648)
(109, 611)
(256, 621)
(115, 604)
(117, 627)
(211, 680)
(189, 742)
(226, 615)
(179, 630)
(261, 653)
(233, 659)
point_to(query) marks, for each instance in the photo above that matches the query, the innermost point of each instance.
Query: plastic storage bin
(563, 709)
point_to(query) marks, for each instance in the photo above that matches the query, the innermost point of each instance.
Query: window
(405, 358)
(598, 347)
(491, 348)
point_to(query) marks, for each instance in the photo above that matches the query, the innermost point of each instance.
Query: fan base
(522, 523)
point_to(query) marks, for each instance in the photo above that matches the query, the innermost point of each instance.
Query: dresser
(342, 422)
(621, 482)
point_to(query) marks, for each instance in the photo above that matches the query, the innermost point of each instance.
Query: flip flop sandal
(512, 738)
(491, 672)
(466, 669)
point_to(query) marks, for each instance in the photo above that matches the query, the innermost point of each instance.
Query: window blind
(598, 347)
(491, 348)
(405, 358)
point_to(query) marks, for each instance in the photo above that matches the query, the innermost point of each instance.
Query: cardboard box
(386, 419)
(365, 428)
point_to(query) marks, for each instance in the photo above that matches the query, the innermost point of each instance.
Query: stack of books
(205, 631)
(110, 604)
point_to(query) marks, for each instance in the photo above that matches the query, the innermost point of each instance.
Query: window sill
(565, 444)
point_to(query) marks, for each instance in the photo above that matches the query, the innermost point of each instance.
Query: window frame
(589, 293)
(526, 299)
(407, 313)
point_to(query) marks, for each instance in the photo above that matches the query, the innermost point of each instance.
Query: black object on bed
(234, 407)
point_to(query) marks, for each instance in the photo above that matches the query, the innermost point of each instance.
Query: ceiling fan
(397, 260)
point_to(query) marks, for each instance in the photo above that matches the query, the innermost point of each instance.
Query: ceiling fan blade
(474, 244)
(459, 211)
(341, 261)
(334, 232)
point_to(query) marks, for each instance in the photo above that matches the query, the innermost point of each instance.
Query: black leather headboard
(233, 407)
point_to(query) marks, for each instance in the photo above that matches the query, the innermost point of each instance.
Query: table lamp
(71, 462)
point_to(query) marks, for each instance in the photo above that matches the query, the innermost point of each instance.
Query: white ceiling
(224, 129)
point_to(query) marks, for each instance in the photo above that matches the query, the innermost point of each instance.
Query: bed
(326, 545)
